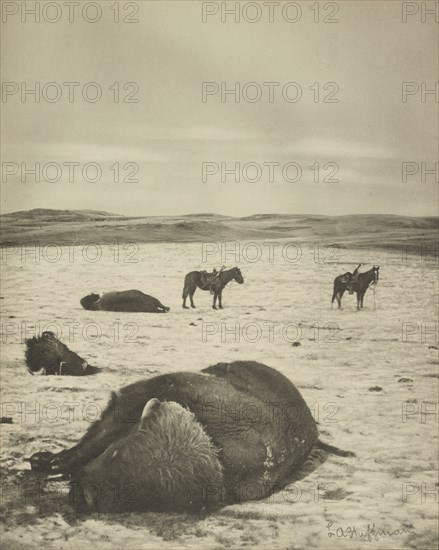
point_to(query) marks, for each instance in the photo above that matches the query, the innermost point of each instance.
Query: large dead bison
(188, 442)
(45, 354)
(127, 300)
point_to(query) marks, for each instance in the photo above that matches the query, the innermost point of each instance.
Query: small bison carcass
(190, 442)
(124, 301)
(46, 355)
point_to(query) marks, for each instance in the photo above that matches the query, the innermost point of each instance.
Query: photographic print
(219, 274)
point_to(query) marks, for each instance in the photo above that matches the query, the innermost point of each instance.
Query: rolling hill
(71, 227)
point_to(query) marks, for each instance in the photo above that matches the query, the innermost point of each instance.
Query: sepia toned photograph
(219, 275)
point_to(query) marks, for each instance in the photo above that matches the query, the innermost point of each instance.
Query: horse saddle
(347, 277)
(207, 278)
(350, 279)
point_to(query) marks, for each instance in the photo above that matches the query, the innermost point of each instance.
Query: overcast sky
(361, 140)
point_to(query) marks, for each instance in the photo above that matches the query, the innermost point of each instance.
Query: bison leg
(162, 308)
(121, 415)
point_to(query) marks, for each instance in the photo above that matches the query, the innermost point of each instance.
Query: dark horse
(127, 300)
(176, 442)
(359, 285)
(215, 282)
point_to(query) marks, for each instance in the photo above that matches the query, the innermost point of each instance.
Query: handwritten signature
(371, 533)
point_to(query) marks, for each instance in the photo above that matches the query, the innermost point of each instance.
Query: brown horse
(215, 282)
(359, 285)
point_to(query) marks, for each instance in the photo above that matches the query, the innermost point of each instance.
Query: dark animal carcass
(45, 354)
(127, 301)
(167, 462)
(188, 442)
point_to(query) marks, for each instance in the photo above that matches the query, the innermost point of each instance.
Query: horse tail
(333, 450)
(185, 292)
(334, 294)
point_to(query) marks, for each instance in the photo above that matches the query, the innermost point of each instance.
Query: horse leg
(358, 301)
(220, 296)
(185, 294)
(339, 297)
(188, 289)
(214, 300)
(191, 297)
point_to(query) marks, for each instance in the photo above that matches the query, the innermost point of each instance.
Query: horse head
(237, 275)
(375, 273)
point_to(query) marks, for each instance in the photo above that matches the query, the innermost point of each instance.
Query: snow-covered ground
(390, 347)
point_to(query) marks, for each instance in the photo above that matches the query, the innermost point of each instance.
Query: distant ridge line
(47, 227)
(103, 213)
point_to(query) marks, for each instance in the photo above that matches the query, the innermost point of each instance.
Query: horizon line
(103, 212)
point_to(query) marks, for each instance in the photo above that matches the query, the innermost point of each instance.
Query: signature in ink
(370, 534)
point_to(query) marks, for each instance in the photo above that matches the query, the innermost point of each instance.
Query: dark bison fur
(190, 441)
(167, 462)
(46, 354)
(127, 300)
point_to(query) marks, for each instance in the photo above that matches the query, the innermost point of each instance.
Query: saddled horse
(359, 285)
(215, 282)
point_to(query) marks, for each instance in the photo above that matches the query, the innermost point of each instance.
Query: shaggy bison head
(167, 463)
(45, 354)
(88, 302)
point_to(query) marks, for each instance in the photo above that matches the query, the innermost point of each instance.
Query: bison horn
(40, 372)
(149, 409)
